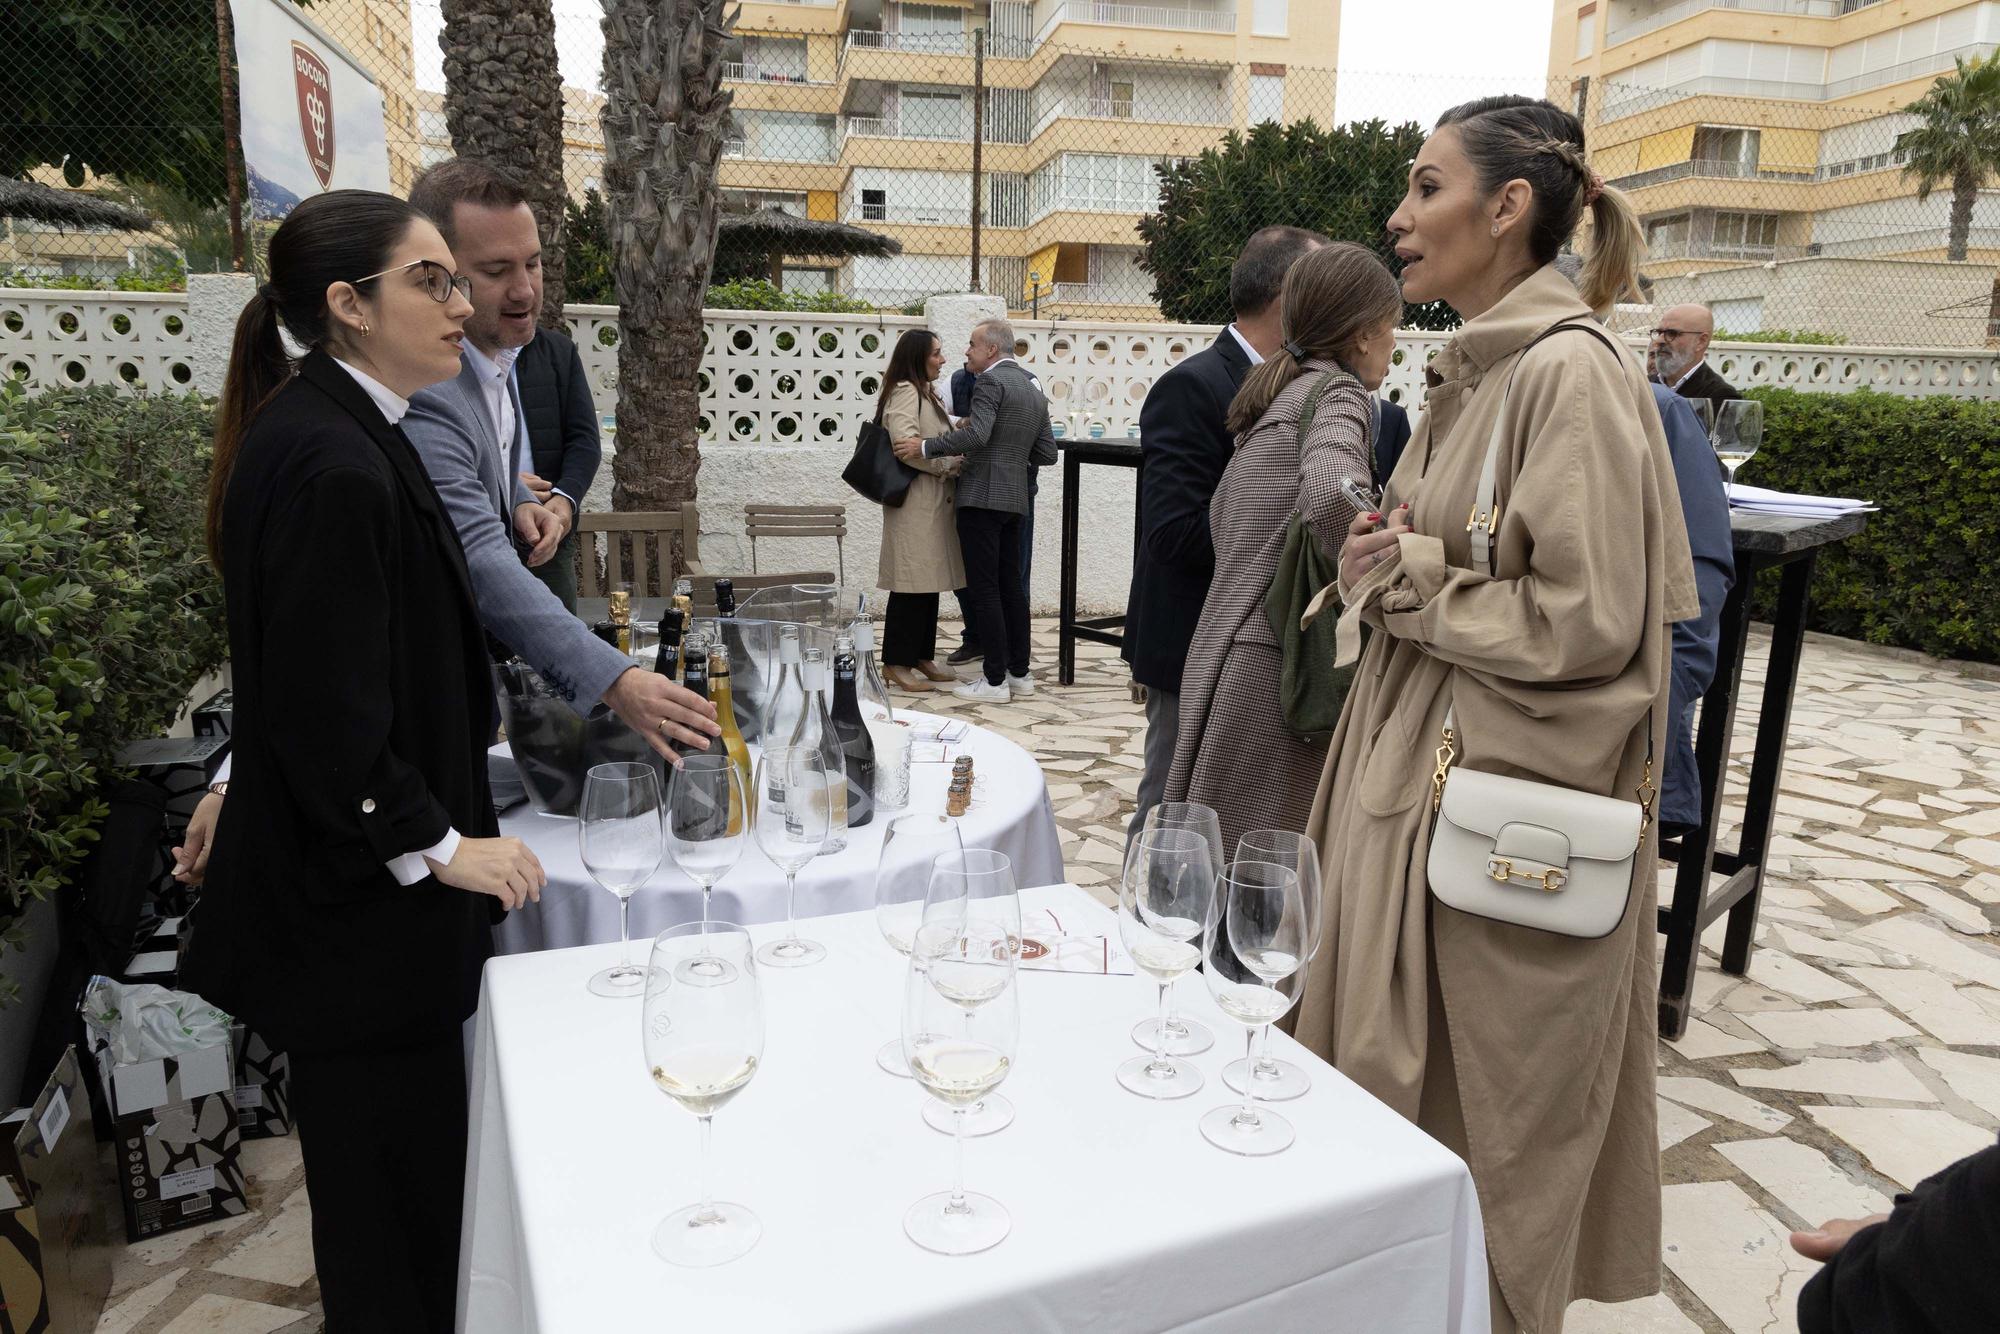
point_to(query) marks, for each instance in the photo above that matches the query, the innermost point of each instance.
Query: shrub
(165, 275)
(109, 613)
(1920, 575)
(1808, 336)
(758, 294)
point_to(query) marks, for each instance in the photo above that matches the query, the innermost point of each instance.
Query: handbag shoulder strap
(1311, 408)
(1484, 520)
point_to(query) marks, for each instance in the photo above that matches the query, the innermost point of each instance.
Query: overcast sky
(1399, 59)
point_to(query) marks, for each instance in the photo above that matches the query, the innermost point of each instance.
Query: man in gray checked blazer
(471, 434)
(1006, 433)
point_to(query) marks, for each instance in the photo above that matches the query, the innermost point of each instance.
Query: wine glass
(1281, 1081)
(910, 845)
(961, 1026)
(1704, 412)
(975, 890)
(1739, 430)
(704, 1035)
(619, 837)
(790, 810)
(1257, 942)
(1185, 1037)
(705, 824)
(1164, 902)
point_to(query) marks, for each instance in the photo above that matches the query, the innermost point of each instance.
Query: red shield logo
(315, 89)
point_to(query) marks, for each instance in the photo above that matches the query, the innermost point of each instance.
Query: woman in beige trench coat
(1528, 1053)
(920, 554)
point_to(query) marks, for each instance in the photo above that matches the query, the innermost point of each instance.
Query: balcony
(1095, 294)
(1121, 108)
(1728, 171)
(738, 71)
(896, 127)
(1621, 100)
(1139, 16)
(770, 150)
(1709, 250)
(919, 43)
(918, 215)
(1660, 18)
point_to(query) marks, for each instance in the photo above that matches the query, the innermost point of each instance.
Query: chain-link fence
(1026, 148)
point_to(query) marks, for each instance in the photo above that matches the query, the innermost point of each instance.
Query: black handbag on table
(875, 471)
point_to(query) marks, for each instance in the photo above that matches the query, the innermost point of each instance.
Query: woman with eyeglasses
(354, 876)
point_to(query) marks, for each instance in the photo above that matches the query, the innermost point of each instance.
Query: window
(1267, 18)
(1746, 232)
(1734, 151)
(874, 205)
(1667, 237)
(1121, 100)
(1267, 97)
(1006, 200)
(1586, 31)
(930, 28)
(932, 115)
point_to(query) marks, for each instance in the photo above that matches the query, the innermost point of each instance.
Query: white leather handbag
(1531, 854)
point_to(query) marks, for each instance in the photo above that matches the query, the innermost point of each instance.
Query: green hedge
(1922, 575)
(109, 612)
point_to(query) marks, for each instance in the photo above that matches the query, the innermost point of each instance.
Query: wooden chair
(798, 521)
(638, 550)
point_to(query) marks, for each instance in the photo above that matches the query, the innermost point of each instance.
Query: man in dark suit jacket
(969, 649)
(1184, 448)
(561, 419)
(1679, 351)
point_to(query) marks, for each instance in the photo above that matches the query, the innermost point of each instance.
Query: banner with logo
(312, 115)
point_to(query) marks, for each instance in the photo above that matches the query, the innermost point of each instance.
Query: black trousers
(995, 598)
(909, 634)
(971, 636)
(383, 1136)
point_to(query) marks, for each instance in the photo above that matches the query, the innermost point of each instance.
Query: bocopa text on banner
(312, 116)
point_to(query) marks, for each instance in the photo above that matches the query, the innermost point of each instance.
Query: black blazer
(1185, 448)
(561, 415)
(363, 701)
(1392, 432)
(1705, 383)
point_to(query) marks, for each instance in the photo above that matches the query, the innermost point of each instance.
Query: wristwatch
(220, 789)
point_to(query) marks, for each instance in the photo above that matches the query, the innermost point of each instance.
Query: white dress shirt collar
(1256, 357)
(1699, 362)
(496, 367)
(392, 406)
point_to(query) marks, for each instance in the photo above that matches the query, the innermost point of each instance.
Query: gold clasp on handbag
(1474, 521)
(1503, 870)
(1444, 758)
(1646, 798)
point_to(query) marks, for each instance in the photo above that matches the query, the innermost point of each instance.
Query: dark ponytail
(336, 237)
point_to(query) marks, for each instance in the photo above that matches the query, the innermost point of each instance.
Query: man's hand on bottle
(662, 712)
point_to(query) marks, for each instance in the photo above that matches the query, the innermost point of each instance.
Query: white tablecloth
(1124, 1218)
(1010, 813)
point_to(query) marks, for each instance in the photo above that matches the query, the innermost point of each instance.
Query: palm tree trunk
(1964, 193)
(665, 118)
(503, 103)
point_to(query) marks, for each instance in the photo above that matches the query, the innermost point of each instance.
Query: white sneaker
(1020, 687)
(980, 692)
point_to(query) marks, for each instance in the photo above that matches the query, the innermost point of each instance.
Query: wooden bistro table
(1099, 629)
(1762, 542)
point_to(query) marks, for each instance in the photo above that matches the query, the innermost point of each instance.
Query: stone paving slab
(1861, 1053)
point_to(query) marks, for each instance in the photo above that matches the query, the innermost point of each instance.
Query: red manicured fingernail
(1374, 518)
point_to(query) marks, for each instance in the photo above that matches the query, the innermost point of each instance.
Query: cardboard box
(174, 1130)
(263, 1093)
(55, 1213)
(214, 716)
(160, 946)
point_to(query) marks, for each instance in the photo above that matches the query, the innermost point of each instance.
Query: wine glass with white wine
(1256, 948)
(911, 844)
(703, 1028)
(1739, 430)
(620, 840)
(1279, 1080)
(1164, 902)
(791, 805)
(974, 889)
(961, 1030)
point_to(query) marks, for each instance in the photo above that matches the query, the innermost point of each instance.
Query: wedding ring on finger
(664, 723)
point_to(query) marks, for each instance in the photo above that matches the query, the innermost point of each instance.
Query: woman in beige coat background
(1528, 1053)
(920, 555)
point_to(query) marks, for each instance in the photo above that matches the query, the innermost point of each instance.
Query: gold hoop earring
(365, 330)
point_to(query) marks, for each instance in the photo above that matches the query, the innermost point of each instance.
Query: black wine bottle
(856, 746)
(695, 655)
(668, 661)
(725, 597)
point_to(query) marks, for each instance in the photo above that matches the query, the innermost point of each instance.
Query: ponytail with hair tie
(1293, 350)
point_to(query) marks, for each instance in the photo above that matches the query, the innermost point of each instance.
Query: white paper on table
(1047, 947)
(936, 727)
(927, 752)
(1760, 501)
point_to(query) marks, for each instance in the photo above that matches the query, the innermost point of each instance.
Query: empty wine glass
(1704, 412)
(1163, 904)
(974, 890)
(911, 844)
(620, 839)
(1739, 430)
(1281, 1081)
(961, 1028)
(790, 809)
(1185, 1037)
(703, 1028)
(706, 828)
(1257, 933)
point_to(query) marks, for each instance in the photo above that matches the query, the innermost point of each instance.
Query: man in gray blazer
(472, 436)
(1004, 437)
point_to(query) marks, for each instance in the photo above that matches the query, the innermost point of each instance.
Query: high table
(1762, 542)
(1010, 813)
(1100, 629)
(1124, 1218)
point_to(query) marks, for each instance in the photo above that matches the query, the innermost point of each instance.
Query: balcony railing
(778, 152)
(1623, 100)
(1708, 250)
(1660, 18)
(922, 43)
(1095, 294)
(1139, 16)
(743, 71)
(895, 127)
(1124, 108)
(955, 215)
(1729, 171)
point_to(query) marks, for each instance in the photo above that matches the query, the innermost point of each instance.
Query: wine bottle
(787, 708)
(816, 732)
(856, 746)
(695, 656)
(868, 676)
(725, 598)
(616, 628)
(668, 661)
(725, 713)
